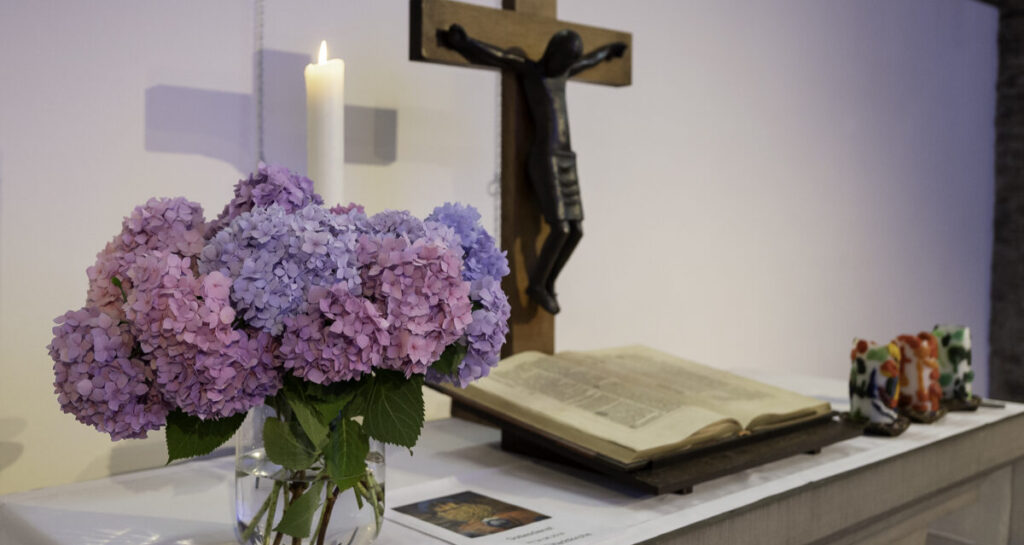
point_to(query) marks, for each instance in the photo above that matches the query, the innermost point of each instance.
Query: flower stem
(272, 512)
(325, 516)
(296, 489)
(376, 498)
(360, 494)
(251, 528)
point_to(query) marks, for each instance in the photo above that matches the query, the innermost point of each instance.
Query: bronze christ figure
(551, 164)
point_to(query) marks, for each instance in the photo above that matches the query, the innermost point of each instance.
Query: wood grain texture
(1017, 505)
(909, 526)
(544, 8)
(986, 520)
(529, 30)
(920, 473)
(522, 227)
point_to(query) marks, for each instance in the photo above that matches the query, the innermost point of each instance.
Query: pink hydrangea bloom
(418, 288)
(184, 325)
(281, 285)
(341, 337)
(168, 225)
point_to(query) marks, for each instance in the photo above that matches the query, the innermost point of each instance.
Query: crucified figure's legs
(575, 234)
(552, 255)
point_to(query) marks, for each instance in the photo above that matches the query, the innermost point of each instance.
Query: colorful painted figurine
(919, 377)
(955, 373)
(875, 387)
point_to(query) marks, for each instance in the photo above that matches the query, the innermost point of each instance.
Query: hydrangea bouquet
(330, 318)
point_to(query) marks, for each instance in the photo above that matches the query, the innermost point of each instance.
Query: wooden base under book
(678, 473)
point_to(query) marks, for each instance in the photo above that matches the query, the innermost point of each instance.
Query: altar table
(958, 481)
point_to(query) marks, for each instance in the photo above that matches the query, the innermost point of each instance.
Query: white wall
(73, 162)
(783, 176)
(780, 177)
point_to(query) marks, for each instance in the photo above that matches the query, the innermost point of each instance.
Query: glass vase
(263, 489)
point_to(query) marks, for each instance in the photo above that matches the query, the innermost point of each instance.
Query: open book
(634, 403)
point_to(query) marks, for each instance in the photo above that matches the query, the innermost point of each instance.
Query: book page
(590, 404)
(753, 404)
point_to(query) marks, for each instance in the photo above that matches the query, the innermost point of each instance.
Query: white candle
(325, 126)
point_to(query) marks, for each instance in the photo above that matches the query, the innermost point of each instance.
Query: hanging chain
(258, 6)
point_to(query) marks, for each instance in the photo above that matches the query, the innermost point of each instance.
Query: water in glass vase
(263, 489)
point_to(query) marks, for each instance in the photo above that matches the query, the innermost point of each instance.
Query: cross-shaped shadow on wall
(224, 125)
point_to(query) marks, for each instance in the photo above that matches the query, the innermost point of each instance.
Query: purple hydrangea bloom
(402, 223)
(398, 222)
(482, 256)
(273, 257)
(270, 184)
(98, 380)
(353, 215)
(220, 383)
(341, 337)
(348, 209)
(184, 325)
(485, 335)
(169, 225)
(485, 265)
(418, 289)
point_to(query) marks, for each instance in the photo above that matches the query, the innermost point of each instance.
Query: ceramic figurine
(875, 387)
(919, 377)
(955, 373)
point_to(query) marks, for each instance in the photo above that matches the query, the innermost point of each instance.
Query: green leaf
(331, 400)
(346, 453)
(189, 436)
(117, 283)
(394, 409)
(309, 420)
(361, 394)
(450, 359)
(329, 409)
(283, 448)
(297, 519)
(945, 379)
(327, 401)
(304, 411)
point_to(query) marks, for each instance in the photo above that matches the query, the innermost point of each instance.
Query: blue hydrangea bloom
(482, 256)
(273, 257)
(484, 266)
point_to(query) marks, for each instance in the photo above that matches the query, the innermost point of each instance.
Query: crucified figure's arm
(478, 52)
(597, 56)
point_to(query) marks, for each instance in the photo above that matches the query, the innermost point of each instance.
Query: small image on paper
(470, 514)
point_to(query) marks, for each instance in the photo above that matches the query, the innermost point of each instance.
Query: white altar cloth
(190, 503)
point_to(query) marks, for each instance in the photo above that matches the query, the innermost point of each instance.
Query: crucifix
(541, 210)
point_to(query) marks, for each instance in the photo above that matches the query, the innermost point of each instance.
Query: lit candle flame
(323, 52)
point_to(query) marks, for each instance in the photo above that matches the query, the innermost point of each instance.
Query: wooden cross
(527, 24)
